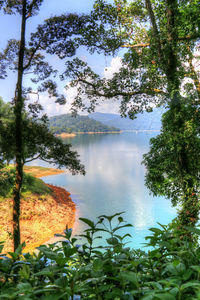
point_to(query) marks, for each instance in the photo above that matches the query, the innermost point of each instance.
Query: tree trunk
(18, 133)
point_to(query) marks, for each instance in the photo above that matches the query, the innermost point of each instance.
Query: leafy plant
(169, 269)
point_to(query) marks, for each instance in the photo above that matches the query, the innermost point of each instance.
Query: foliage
(163, 177)
(67, 123)
(160, 45)
(66, 270)
(7, 179)
(38, 142)
(166, 172)
(6, 127)
(27, 56)
(159, 67)
(30, 183)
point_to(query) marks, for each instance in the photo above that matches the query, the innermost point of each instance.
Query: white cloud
(105, 106)
(116, 64)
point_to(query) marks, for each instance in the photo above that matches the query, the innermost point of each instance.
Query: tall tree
(162, 38)
(39, 142)
(27, 57)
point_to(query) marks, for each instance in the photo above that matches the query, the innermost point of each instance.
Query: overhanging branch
(136, 45)
(31, 159)
(120, 93)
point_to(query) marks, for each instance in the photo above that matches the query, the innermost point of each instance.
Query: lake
(115, 182)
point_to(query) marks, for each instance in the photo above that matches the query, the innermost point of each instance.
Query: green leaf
(190, 285)
(20, 248)
(88, 222)
(164, 296)
(1, 246)
(69, 251)
(14, 255)
(109, 218)
(24, 287)
(193, 229)
(45, 272)
(129, 276)
(97, 265)
(25, 272)
(123, 226)
(120, 219)
(112, 241)
(156, 230)
(196, 268)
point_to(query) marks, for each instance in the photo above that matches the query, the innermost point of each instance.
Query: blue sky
(10, 28)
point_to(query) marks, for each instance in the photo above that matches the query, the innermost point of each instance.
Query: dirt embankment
(41, 217)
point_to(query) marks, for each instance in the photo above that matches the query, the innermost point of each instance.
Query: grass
(34, 185)
(30, 184)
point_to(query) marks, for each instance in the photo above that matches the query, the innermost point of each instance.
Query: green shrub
(170, 269)
(7, 179)
(34, 185)
(30, 183)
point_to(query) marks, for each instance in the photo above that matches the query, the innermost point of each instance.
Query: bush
(7, 179)
(65, 270)
(30, 183)
(34, 185)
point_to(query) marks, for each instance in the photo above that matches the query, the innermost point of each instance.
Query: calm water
(114, 182)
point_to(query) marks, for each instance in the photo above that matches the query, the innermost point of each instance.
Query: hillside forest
(67, 123)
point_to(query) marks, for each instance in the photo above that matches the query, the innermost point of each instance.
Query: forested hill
(67, 123)
(144, 121)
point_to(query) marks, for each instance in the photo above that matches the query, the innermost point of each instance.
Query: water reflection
(114, 182)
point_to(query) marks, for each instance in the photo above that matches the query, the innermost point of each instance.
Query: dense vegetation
(67, 123)
(162, 38)
(160, 66)
(38, 143)
(168, 271)
(26, 56)
(30, 183)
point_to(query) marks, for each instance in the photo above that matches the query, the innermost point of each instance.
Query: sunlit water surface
(114, 183)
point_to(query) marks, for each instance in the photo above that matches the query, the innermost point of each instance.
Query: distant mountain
(67, 123)
(144, 121)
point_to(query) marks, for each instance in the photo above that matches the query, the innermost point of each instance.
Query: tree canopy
(68, 123)
(159, 67)
(160, 40)
(38, 141)
(27, 57)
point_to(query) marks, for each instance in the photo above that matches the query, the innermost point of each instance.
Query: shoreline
(64, 135)
(39, 172)
(73, 134)
(62, 199)
(42, 216)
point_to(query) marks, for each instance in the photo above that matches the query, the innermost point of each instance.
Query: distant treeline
(67, 123)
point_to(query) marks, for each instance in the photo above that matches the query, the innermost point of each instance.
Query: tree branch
(31, 159)
(31, 57)
(136, 45)
(189, 37)
(120, 93)
(184, 38)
